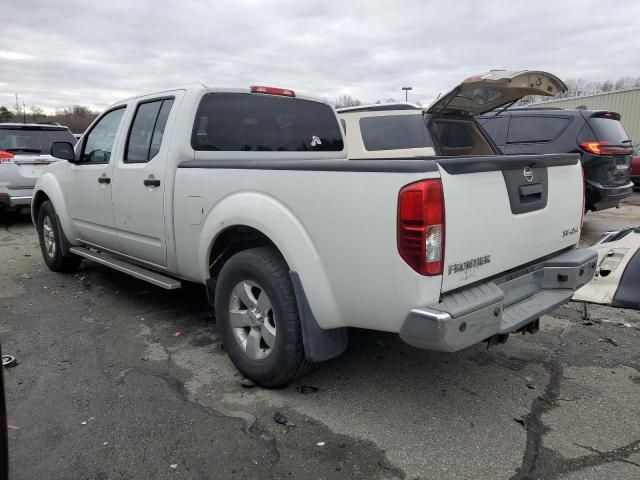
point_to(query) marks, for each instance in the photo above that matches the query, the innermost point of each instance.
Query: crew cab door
(89, 182)
(139, 180)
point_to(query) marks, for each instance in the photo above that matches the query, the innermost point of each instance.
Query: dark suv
(597, 135)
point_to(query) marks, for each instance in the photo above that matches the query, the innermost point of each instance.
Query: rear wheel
(258, 317)
(50, 236)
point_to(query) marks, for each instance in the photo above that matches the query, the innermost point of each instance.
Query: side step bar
(136, 271)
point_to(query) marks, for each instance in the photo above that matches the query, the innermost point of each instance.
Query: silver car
(24, 154)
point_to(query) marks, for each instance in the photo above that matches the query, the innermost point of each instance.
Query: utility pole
(17, 106)
(24, 113)
(406, 93)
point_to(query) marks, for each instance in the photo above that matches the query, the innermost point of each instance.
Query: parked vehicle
(24, 153)
(603, 144)
(392, 130)
(251, 192)
(635, 165)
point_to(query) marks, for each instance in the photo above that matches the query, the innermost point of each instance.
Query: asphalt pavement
(118, 379)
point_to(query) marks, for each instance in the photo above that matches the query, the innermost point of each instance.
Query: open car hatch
(484, 92)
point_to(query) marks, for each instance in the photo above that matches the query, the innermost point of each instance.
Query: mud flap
(319, 344)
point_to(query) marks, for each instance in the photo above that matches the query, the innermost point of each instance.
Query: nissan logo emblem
(528, 174)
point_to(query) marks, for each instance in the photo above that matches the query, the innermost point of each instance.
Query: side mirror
(63, 150)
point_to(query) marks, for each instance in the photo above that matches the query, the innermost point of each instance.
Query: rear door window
(608, 130)
(496, 127)
(523, 129)
(394, 132)
(147, 130)
(264, 123)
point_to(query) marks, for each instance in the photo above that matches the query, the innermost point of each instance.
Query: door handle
(151, 182)
(104, 179)
(528, 190)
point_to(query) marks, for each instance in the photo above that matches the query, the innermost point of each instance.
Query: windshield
(32, 140)
(608, 130)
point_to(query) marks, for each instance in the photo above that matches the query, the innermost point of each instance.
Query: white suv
(24, 153)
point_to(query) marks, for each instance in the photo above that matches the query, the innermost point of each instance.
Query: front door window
(99, 143)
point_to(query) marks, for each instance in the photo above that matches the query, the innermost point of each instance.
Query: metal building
(624, 102)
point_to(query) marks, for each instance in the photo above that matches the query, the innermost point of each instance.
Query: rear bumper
(600, 197)
(503, 305)
(10, 198)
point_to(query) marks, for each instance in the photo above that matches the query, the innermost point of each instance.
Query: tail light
(421, 226)
(6, 157)
(613, 115)
(284, 92)
(604, 148)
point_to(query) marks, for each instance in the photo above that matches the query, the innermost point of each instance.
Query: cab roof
(32, 126)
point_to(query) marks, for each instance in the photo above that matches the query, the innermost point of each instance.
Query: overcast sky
(61, 53)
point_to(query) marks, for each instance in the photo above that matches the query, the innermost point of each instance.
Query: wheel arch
(258, 219)
(48, 188)
(319, 344)
(39, 197)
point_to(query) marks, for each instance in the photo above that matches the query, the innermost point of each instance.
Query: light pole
(406, 93)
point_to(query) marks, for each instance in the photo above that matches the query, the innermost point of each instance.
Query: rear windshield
(264, 123)
(608, 130)
(32, 140)
(394, 132)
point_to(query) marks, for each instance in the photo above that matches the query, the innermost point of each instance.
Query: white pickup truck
(251, 192)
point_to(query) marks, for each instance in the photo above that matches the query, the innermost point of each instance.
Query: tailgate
(505, 211)
(30, 167)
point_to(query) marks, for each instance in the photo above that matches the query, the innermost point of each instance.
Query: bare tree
(36, 114)
(347, 101)
(77, 118)
(607, 86)
(579, 87)
(624, 83)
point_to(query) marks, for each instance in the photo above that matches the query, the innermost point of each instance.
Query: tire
(265, 343)
(51, 244)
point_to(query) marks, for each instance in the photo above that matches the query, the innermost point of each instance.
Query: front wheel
(258, 317)
(49, 234)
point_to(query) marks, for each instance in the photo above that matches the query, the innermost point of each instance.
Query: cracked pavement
(105, 389)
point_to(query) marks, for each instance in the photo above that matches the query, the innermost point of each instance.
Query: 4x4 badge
(528, 174)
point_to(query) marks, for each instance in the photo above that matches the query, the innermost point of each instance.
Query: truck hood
(484, 92)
